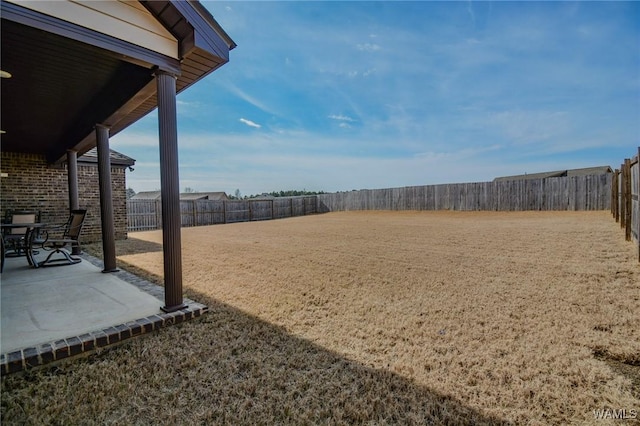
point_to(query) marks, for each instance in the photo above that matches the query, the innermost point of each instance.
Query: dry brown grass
(381, 317)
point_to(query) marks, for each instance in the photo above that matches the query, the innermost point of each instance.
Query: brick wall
(32, 184)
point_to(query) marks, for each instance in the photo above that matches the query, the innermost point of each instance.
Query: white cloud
(250, 123)
(128, 139)
(525, 127)
(474, 102)
(248, 98)
(188, 107)
(341, 118)
(368, 47)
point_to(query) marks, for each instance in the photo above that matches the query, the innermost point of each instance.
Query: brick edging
(46, 353)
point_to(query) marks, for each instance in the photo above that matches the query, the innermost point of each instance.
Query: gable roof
(66, 78)
(116, 158)
(599, 170)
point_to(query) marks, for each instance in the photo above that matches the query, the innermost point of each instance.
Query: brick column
(170, 191)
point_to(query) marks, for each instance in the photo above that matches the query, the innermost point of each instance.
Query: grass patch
(371, 317)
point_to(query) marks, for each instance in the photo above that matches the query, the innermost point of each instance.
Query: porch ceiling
(65, 78)
(59, 89)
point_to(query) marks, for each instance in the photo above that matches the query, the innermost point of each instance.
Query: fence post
(613, 194)
(637, 191)
(195, 213)
(628, 201)
(158, 214)
(621, 196)
(224, 211)
(617, 200)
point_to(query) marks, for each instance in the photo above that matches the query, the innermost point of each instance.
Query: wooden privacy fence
(561, 193)
(625, 198)
(146, 215)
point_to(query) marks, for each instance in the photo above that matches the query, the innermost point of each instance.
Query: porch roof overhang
(67, 78)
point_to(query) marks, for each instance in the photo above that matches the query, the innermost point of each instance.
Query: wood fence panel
(625, 198)
(261, 209)
(562, 193)
(310, 204)
(209, 212)
(146, 214)
(281, 208)
(298, 206)
(142, 215)
(187, 213)
(237, 211)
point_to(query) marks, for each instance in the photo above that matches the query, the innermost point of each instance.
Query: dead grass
(372, 317)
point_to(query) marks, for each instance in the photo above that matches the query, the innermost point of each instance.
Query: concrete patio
(48, 314)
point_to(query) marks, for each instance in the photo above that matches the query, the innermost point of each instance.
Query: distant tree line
(289, 193)
(293, 193)
(238, 196)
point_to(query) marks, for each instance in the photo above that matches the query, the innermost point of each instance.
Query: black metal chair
(15, 239)
(56, 239)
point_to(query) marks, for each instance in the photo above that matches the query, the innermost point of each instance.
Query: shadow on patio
(52, 313)
(227, 367)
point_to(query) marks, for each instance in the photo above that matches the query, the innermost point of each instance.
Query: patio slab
(52, 313)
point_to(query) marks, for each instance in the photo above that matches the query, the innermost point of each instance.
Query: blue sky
(338, 96)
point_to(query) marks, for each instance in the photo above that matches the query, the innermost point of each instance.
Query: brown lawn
(374, 317)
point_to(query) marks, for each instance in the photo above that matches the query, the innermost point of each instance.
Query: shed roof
(204, 196)
(147, 195)
(155, 195)
(599, 170)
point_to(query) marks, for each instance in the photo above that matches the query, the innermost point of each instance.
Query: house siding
(124, 20)
(32, 184)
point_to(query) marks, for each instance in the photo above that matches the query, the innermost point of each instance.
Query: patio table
(31, 228)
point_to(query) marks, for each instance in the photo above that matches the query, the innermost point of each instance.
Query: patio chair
(15, 239)
(69, 237)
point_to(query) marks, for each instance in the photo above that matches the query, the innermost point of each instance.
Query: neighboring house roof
(204, 196)
(117, 159)
(600, 170)
(146, 195)
(67, 77)
(559, 173)
(155, 195)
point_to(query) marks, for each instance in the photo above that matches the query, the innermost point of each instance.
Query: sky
(336, 96)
